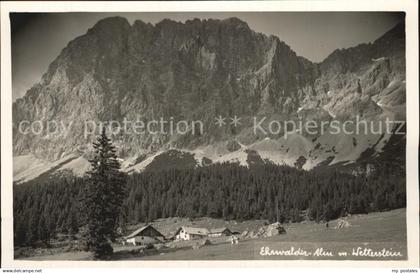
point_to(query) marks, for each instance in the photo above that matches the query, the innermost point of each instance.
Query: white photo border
(410, 7)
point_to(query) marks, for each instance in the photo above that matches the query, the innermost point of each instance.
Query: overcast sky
(38, 39)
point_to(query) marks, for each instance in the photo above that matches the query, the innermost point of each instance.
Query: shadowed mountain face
(200, 70)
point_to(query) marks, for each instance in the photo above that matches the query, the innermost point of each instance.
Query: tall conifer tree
(104, 197)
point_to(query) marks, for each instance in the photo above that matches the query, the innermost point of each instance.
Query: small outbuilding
(144, 236)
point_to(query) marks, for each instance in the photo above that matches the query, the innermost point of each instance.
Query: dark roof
(219, 230)
(140, 230)
(194, 230)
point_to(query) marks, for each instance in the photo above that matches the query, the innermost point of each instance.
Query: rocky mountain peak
(110, 25)
(198, 70)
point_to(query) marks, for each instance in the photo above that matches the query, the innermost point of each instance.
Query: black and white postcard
(277, 133)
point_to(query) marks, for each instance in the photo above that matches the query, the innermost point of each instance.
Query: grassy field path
(375, 231)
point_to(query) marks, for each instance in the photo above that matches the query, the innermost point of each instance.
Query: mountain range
(199, 70)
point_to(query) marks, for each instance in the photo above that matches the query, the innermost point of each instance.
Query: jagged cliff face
(197, 71)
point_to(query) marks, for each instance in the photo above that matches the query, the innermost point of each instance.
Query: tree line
(228, 191)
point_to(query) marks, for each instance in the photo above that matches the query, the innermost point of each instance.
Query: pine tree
(20, 231)
(72, 223)
(32, 235)
(43, 231)
(104, 197)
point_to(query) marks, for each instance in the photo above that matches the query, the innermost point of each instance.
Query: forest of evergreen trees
(229, 191)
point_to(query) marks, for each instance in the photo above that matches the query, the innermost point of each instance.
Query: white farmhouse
(191, 233)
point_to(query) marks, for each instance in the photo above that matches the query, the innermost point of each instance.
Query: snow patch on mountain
(78, 166)
(143, 164)
(29, 167)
